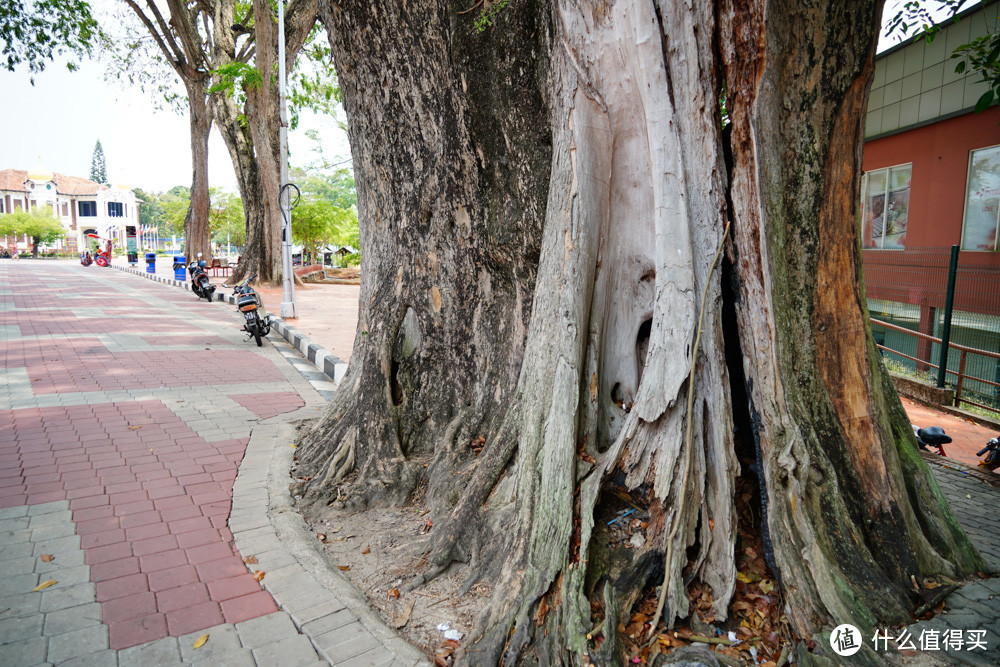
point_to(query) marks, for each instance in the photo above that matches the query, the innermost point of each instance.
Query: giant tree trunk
(196, 227)
(541, 209)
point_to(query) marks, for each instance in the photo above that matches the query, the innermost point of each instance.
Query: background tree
(227, 219)
(150, 208)
(176, 204)
(542, 206)
(98, 169)
(40, 225)
(36, 32)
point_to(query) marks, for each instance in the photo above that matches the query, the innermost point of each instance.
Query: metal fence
(908, 291)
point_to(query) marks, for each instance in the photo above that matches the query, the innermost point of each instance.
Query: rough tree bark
(541, 207)
(196, 228)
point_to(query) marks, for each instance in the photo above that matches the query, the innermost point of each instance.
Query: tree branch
(172, 52)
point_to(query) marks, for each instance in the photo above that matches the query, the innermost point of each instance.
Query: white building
(83, 206)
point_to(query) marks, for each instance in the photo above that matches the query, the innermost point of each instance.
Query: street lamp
(288, 291)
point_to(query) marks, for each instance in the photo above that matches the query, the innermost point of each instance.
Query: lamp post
(288, 291)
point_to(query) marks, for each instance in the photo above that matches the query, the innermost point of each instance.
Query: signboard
(130, 246)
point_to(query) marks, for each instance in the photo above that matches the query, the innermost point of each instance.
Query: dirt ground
(379, 549)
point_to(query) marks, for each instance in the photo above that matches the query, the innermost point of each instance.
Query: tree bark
(542, 206)
(196, 227)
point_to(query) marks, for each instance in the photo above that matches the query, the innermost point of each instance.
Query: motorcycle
(248, 303)
(200, 284)
(992, 451)
(931, 436)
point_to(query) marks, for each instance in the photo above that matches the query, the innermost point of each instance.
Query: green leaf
(960, 67)
(985, 100)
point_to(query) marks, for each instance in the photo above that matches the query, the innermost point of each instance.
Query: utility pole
(288, 292)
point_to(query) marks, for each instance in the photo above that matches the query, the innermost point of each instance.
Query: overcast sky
(65, 113)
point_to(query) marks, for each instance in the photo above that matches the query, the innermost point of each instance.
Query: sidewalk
(129, 412)
(294, 569)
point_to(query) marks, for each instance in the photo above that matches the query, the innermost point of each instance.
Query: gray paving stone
(107, 658)
(346, 642)
(67, 576)
(221, 639)
(41, 533)
(50, 519)
(23, 653)
(301, 596)
(74, 618)
(48, 508)
(289, 652)
(18, 584)
(161, 652)
(376, 657)
(265, 630)
(24, 627)
(12, 512)
(14, 524)
(77, 643)
(63, 598)
(15, 536)
(25, 565)
(234, 658)
(329, 606)
(62, 561)
(329, 622)
(20, 605)
(18, 550)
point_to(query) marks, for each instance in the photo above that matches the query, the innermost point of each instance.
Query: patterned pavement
(125, 410)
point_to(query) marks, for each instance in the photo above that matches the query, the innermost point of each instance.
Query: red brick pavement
(150, 498)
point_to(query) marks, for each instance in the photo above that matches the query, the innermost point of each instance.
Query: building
(932, 180)
(83, 206)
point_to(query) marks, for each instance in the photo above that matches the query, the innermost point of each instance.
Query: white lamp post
(288, 292)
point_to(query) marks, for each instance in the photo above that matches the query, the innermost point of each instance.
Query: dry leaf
(134, 428)
(45, 584)
(402, 617)
(343, 568)
(200, 641)
(321, 536)
(931, 585)
(711, 524)
(293, 446)
(766, 586)
(394, 593)
(250, 560)
(367, 550)
(47, 558)
(258, 575)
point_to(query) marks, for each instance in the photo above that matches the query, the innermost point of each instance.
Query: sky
(63, 115)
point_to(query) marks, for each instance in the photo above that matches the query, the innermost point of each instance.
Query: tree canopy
(39, 224)
(35, 33)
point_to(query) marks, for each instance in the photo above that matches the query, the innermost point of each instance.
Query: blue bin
(180, 264)
(150, 262)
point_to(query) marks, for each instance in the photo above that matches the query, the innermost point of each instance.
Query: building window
(114, 209)
(982, 200)
(886, 201)
(88, 209)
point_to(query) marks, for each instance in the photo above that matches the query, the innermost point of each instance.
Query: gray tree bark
(541, 209)
(196, 226)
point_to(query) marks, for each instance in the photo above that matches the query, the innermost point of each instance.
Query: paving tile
(115, 568)
(120, 587)
(181, 597)
(77, 643)
(265, 630)
(346, 642)
(161, 652)
(74, 618)
(375, 657)
(135, 631)
(106, 658)
(63, 598)
(289, 652)
(233, 587)
(194, 618)
(24, 652)
(221, 639)
(17, 629)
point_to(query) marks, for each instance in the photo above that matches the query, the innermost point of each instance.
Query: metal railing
(960, 374)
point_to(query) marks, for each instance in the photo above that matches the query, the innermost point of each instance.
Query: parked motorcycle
(932, 436)
(248, 303)
(200, 284)
(992, 451)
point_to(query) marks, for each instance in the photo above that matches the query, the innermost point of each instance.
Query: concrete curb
(324, 605)
(325, 361)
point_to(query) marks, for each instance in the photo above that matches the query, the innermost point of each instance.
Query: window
(886, 201)
(114, 209)
(982, 196)
(88, 209)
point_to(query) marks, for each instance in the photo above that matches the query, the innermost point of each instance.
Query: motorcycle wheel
(256, 332)
(208, 295)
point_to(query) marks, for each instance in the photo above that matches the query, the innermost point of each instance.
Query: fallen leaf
(250, 560)
(931, 585)
(766, 585)
(321, 536)
(394, 593)
(134, 428)
(45, 584)
(343, 568)
(711, 524)
(744, 578)
(293, 446)
(47, 558)
(200, 641)
(402, 617)
(258, 575)
(367, 551)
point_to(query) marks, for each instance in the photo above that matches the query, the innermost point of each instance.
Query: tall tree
(98, 167)
(542, 206)
(182, 46)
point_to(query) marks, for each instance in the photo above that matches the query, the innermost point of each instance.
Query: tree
(548, 329)
(37, 32)
(98, 170)
(316, 222)
(226, 218)
(150, 208)
(40, 225)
